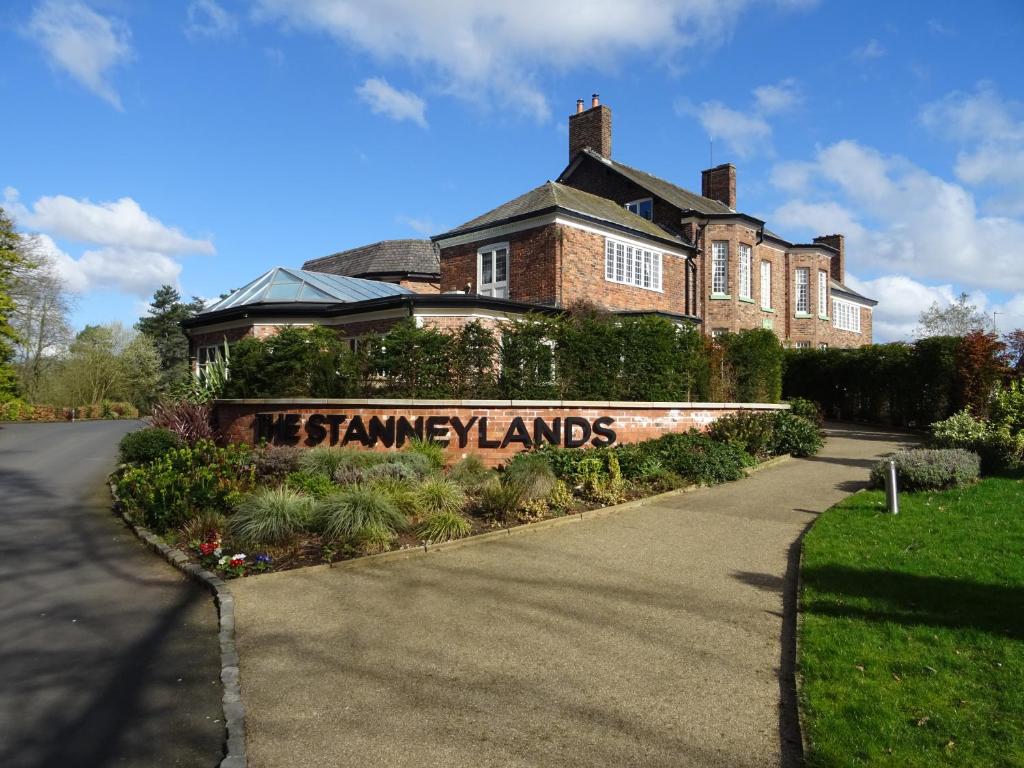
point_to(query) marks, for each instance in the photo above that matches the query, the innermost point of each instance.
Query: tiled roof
(385, 257)
(551, 195)
(679, 197)
(282, 285)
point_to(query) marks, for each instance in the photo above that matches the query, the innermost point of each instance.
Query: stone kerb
(493, 429)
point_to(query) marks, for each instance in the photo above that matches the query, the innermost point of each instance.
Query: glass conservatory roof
(284, 285)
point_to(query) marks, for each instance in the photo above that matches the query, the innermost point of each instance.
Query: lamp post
(892, 501)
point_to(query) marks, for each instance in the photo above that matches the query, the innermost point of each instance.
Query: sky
(201, 142)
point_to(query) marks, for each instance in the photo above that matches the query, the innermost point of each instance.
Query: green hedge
(899, 384)
(584, 354)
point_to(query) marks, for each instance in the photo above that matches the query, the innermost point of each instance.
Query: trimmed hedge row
(18, 410)
(582, 355)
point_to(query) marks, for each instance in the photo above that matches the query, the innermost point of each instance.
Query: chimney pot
(590, 128)
(579, 106)
(595, 100)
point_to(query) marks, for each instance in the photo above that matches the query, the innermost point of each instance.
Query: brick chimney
(719, 183)
(839, 263)
(591, 128)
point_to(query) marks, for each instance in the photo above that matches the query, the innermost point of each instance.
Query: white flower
(239, 556)
(224, 560)
(218, 552)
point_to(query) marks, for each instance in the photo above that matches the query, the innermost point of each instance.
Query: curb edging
(231, 700)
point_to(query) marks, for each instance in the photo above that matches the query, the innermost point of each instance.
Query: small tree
(1014, 341)
(955, 319)
(11, 260)
(474, 352)
(981, 363)
(163, 325)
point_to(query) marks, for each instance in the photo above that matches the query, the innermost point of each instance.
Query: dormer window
(644, 207)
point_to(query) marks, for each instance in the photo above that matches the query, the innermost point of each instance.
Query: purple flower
(263, 558)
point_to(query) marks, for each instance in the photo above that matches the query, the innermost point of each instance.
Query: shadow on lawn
(909, 599)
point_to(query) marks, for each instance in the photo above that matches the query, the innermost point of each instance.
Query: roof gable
(667, 191)
(554, 197)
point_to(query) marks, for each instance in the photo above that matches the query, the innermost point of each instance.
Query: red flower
(237, 562)
(207, 547)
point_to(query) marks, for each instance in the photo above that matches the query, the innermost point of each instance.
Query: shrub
(796, 435)
(274, 464)
(440, 495)
(699, 459)
(999, 447)
(471, 473)
(360, 514)
(391, 469)
(755, 358)
(808, 409)
(431, 451)
(929, 469)
(500, 500)
(421, 463)
(270, 516)
(189, 421)
(327, 461)
(186, 481)
(752, 431)
(349, 475)
(531, 472)
(445, 526)
(961, 430)
(313, 485)
(146, 445)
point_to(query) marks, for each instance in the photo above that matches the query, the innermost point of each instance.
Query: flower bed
(241, 511)
(17, 410)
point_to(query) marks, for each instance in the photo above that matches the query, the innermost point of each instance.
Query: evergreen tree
(11, 260)
(163, 326)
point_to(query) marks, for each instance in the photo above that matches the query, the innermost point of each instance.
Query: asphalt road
(108, 656)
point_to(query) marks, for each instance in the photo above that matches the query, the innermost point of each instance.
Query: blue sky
(201, 142)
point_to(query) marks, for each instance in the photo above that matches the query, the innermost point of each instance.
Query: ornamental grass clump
(360, 514)
(445, 526)
(925, 469)
(433, 452)
(327, 461)
(471, 473)
(402, 493)
(502, 501)
(440, 494)
(391, 469)
(270, 516)
(313, 485)
(532, 473)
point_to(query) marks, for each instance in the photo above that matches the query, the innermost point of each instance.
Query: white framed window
(802, 345)
(766, 285)
(823, 345)
(800, 284)
(746, 289)
(492, 270)
(632, 265)
(717, 333)
(208, 353)
(845, 315)
(644, 207)
(720, 267)
(822, 293)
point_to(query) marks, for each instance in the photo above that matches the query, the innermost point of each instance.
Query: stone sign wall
(494, 429)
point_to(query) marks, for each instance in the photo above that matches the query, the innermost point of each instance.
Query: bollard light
(892, 501)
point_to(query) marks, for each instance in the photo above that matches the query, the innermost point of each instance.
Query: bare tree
(42, 305)
(955, 319)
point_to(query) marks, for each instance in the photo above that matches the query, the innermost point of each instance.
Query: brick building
(603, 232)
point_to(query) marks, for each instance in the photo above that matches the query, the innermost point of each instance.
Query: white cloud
(901, 300)
(777, 98)
(387, 100)
(872, 49)
(493, 51)
(990, 132)
(119, 224)
(745, 132)
(207, 18)
(127, 249)
(900, 218)
(81, 42)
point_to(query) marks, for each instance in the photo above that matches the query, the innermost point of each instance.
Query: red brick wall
(631, 422)
(532, 265)
(733, 313)
(559, 265)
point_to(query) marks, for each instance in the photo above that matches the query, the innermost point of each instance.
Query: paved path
(648, 637)
(107, 655)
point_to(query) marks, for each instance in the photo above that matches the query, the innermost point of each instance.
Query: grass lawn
(911, 644)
